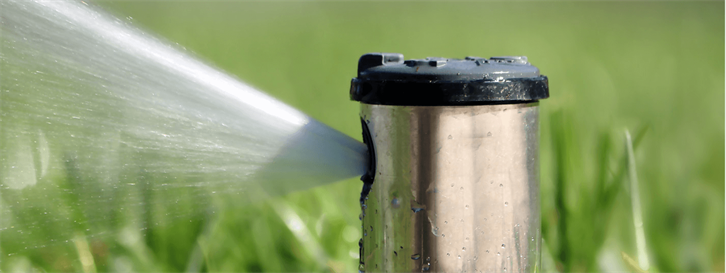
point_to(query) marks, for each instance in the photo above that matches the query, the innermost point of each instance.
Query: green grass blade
(637, 212)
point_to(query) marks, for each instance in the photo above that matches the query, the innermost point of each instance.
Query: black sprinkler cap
(385, 78)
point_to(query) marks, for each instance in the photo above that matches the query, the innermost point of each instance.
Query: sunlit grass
(655, 68)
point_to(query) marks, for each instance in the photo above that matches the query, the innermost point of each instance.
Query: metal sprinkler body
(453, 184)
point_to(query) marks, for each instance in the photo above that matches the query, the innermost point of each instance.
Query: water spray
(453, 179)
(112, 124)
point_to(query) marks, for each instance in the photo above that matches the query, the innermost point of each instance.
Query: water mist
(96, 116)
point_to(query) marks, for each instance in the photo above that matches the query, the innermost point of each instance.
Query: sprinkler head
(453, 171)
(386, 79)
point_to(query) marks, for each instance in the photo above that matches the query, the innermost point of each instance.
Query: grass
(654, 68)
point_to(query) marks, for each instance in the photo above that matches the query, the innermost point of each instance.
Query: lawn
(653, 68)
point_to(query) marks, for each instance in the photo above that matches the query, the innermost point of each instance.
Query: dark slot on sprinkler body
(367, 178)
(453, 178)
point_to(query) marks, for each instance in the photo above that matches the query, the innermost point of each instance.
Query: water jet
(114, 125)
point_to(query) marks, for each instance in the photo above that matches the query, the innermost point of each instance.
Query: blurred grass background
(655, 68)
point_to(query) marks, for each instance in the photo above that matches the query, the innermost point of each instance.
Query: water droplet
(506, 203)
(487, 250)
(467, 206)
(463, 249)
(395, 203)
(415, 257)
(425, 268)
(501, 185)
(497, 253)
(461, 188)
(443, 235)
(489, 134)
(447, 254)
(446, 222)
(502, 245)
(452, 185)
(450, 137)
(459, 256)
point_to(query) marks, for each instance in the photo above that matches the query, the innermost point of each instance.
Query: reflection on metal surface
(456, 189)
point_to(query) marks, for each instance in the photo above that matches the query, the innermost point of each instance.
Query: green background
(654, 68)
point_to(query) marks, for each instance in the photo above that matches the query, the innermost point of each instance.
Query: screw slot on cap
(437, 63)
